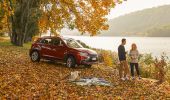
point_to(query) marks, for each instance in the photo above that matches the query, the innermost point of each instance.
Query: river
(154, 45)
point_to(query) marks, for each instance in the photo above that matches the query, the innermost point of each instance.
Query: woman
(134, 54)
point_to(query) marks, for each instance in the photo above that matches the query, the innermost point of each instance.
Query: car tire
(70, 62)
(88, 66)
(35, 56)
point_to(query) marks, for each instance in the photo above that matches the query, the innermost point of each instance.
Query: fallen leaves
(22, 79)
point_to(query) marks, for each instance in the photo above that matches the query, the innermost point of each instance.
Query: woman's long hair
(133, 47)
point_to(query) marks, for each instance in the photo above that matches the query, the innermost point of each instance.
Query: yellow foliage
(88, 16)
(35, 38)
(107, 57)
(160, 67)
(6, 11)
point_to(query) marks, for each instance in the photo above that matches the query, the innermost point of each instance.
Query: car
(64, 49)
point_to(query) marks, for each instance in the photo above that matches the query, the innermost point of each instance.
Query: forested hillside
(149, 22)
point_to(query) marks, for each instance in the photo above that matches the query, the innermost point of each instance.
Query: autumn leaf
(22, 79)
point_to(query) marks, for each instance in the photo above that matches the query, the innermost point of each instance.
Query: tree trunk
(20, 40)
(20, 21)
(28, 39)
(16, 39)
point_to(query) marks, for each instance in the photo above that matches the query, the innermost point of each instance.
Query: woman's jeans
(136, 65)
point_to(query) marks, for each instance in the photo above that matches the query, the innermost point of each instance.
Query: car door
(59, 48)
(46, 48)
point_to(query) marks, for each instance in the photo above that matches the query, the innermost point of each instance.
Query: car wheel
(35, 57)
(88, 66)
(70, 62)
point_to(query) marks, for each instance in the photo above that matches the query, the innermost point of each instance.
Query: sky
(135, 5)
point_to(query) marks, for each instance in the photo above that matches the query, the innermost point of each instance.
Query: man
(123, 63)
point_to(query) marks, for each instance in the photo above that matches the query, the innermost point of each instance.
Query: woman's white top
(134, 54)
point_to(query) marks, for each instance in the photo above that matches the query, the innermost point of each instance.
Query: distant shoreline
(118, 36)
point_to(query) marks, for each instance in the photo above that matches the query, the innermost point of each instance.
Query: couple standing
(123, 68)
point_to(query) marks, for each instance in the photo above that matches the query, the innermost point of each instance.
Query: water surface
(154, 45)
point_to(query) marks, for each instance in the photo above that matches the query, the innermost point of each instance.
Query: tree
(24, 20)
(88, 16)
(5, 12)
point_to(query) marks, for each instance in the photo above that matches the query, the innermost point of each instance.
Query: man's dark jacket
(121, 53)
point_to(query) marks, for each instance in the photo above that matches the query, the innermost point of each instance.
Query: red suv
(64, 49)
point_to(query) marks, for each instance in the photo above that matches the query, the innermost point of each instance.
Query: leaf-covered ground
(22, 79)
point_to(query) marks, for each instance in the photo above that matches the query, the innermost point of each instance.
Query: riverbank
(23, 79)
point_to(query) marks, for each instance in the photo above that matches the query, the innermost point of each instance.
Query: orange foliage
(160, 67)
(5, 12)
(88, 16)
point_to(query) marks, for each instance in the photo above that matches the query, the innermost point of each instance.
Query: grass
(6, 42)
